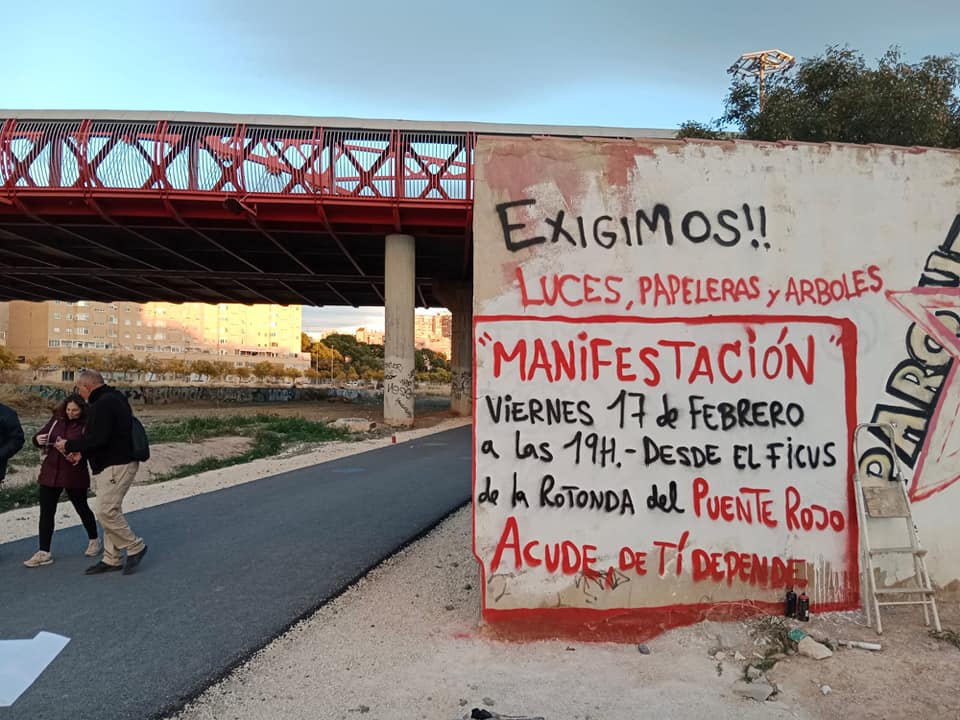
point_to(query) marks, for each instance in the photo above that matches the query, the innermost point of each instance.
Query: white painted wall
(860, 220)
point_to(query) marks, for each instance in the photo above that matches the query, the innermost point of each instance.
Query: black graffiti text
(644, 226)
(575, 497)
(543, 411)
(917, 380)
(536, 451)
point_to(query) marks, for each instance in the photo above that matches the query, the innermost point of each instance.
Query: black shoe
(101, 567)
(133, 560)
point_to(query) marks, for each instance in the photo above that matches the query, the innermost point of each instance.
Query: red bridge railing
(103, 157)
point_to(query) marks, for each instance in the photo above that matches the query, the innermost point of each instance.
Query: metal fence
(96, 156)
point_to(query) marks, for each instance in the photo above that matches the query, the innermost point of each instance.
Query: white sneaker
(93, 548)
(40, 557)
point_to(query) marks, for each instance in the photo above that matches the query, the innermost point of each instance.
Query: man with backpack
(108, 445)
(11, 437)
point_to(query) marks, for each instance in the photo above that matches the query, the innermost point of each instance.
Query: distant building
(370, 337)
(238, 334)
(433, 332)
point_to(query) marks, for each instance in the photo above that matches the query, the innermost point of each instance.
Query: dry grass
(948, 636)
(24, 402)
(774, 633)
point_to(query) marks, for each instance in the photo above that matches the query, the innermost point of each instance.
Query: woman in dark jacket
(60, 472)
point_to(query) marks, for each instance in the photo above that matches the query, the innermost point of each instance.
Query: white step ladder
(888, 499)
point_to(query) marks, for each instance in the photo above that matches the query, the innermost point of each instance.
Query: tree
(8, 361)
(154, 366)
(212, 370)
(202, 368)
(79, 361)
(325, 359)
(693, 129)
(36, 363)
(176, 367)
(362, 355)
(371, 375)
(441, 376)
(262, 370)
(277, 371)
(837, 97)
(120, 363)
(220, 369)
(426, 360)
(243, 373)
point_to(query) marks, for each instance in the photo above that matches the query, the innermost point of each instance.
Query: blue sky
(603, 62)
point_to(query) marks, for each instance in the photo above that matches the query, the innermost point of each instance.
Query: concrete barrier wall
(673, 345)
(166, 394)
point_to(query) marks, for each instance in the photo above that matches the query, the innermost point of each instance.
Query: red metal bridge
(136, 206)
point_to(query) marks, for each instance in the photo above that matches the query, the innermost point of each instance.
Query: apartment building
(4, 321)
(430, 330)
(433, 331)
(370, 337)
(240, 334)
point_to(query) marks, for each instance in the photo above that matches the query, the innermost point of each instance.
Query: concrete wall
(173, 394)
(170, 394)
(673, 344)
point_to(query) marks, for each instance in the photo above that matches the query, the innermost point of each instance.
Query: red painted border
(638, 624)
(622, 625)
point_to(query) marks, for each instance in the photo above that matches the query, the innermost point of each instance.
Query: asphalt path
(226, 573)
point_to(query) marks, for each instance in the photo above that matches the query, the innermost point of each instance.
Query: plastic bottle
(790, 609)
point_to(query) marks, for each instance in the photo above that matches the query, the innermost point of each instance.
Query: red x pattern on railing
(115, 157)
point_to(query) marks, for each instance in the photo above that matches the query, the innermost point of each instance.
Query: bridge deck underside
(60, 248)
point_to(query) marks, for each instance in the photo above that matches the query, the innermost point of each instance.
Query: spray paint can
(803, 607)
(790, 609)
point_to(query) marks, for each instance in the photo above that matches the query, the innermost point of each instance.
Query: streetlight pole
(760, 64)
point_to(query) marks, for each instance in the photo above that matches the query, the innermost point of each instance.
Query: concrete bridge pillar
(398, 351)
(458, 299)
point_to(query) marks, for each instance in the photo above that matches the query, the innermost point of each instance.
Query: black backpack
(141, 445)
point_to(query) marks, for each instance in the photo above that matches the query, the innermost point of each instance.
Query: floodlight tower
(760, 64)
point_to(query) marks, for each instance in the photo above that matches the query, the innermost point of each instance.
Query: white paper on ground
(22, 661)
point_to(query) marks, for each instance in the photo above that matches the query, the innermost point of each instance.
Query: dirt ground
(406, 642)
(914, 675)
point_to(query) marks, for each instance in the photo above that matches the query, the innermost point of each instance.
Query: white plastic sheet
(22, 662)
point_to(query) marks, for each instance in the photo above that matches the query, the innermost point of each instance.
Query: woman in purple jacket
(60, 472)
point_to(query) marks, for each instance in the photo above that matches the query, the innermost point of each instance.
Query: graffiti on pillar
(461, 384)
(400, 385)
(668, 369)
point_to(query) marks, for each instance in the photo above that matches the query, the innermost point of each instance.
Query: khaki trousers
(111, 487)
